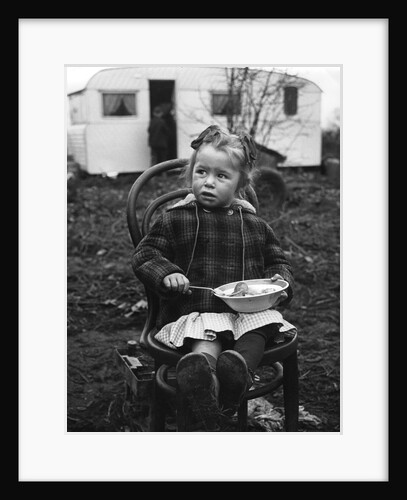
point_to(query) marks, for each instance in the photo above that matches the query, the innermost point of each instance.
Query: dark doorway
(162, 94)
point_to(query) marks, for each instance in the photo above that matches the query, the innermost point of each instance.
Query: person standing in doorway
(168, 115)
(158, 137)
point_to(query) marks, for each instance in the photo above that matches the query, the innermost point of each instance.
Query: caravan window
(223, 104)
(290, 100)
(123, 104)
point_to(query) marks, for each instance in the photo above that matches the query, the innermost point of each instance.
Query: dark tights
(251, 346)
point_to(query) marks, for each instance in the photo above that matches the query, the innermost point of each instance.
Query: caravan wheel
(271, 186)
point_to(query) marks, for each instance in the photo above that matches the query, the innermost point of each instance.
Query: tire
(270, 187)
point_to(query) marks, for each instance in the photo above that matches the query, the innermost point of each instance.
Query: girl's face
(215, 180)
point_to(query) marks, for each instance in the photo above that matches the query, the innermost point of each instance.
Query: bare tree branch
(255, 103)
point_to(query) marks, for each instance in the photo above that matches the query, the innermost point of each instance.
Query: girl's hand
(283, 295)
(177, 282)
(282, 298)
(276, 277)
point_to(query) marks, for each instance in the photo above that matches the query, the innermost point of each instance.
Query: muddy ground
(106, 304)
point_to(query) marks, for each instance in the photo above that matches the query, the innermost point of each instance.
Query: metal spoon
(207, 288)
(202, 288)
(239, 288)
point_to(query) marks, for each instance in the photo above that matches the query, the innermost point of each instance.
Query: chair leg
(290, 385)
(182, 414)
(157, 409)
(242, 417)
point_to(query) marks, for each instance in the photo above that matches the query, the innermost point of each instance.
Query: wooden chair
(282, 357)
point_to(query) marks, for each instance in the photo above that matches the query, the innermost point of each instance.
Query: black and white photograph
(160, 311)
(203, 250)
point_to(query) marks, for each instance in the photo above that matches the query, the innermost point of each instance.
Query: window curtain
(119, 104)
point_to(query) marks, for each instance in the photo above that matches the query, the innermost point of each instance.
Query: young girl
(211, 238)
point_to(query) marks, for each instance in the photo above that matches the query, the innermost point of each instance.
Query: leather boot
(199, 386)
(234, 378)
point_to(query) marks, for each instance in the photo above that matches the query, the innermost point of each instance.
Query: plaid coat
(218, 247)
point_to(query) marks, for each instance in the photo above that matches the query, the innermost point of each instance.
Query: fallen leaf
(109, 302)
(141, 304)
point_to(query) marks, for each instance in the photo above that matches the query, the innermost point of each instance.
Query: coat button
(230, 212)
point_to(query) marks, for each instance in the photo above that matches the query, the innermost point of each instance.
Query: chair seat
(272, 354)
(279, 352)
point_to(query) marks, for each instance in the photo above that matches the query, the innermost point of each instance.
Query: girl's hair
(240, 148)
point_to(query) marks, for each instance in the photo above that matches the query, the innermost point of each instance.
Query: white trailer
(109, 118)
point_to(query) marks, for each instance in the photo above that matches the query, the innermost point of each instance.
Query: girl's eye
(222, 176)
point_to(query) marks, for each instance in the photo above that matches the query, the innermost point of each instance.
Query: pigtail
(249, 148)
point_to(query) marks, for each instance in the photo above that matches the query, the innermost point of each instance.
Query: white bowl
(264, 294)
